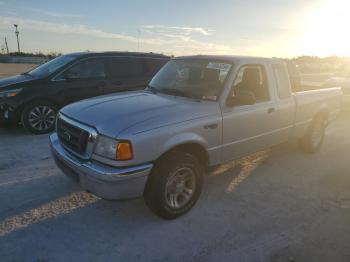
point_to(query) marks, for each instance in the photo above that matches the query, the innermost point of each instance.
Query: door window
(90, 68)
(253, 78)
(125, 67)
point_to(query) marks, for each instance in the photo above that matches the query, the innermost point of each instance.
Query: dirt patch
(14, 69)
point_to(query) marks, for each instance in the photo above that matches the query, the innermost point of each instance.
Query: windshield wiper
(153, 89)
(177, 92)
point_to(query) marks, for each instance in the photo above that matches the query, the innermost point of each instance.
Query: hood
(142, 111)
(8, 81)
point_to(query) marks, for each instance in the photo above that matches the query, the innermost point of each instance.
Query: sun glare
(327, 30)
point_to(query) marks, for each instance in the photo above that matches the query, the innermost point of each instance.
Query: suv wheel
(174, 185)
(39, 117)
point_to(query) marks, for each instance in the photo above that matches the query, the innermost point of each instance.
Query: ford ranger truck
(197, 112)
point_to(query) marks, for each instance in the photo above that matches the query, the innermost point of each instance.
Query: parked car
(198, 112)
(35, 97)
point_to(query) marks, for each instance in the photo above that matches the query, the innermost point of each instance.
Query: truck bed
(309, 103)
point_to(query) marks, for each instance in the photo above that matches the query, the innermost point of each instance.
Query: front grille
(72, 137)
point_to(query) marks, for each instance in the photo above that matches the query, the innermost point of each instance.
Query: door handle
(271, 110)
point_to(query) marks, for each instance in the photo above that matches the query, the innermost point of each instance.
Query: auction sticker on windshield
(219, 66)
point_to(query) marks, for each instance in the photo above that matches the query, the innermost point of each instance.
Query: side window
(153, 65)
(125, 67)
(253, 78)
(282, 81)
(90, 68)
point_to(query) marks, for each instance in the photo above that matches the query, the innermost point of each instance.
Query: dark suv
(33, 98)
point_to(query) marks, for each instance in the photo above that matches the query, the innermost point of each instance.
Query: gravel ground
(275, 205)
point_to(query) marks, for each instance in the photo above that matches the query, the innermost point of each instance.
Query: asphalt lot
(276, 205)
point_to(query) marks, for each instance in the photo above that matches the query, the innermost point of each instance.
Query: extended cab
(197, 112)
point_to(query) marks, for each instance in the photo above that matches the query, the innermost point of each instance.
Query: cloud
(176, 40)
(54, 14)
(182, 38)
(41, 11)
(177, 30)
(51, 27)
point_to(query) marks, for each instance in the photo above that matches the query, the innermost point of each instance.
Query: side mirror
(242, 98)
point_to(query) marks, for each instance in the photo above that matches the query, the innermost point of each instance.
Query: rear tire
(39, 117)
(314, 137)
(174, 185)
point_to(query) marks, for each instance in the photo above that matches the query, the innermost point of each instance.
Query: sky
(271, 28)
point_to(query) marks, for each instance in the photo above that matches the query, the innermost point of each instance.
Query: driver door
(247, 128)
(85, 79)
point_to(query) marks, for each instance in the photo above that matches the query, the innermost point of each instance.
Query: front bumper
(4, 113)
(7, 113)
(106, 182)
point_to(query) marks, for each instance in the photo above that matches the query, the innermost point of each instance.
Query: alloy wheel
(41, 118)
(180, 187)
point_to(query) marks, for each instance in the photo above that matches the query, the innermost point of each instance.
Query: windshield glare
(202, 78)
(51, 66)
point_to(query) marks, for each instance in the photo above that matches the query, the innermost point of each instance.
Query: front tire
(39, 117)
(174, 185)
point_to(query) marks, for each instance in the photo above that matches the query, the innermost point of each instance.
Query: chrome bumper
(104, 181)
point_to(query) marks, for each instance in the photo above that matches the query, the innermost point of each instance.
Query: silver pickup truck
(197, 112)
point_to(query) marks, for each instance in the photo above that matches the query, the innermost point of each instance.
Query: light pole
(17, 33)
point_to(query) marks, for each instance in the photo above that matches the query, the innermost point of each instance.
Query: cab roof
(231, 58)
(117, 53)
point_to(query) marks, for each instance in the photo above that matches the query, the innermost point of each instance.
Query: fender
(182, 139)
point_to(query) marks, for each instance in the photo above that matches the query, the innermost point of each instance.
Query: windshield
(51, 66)
(199, 78)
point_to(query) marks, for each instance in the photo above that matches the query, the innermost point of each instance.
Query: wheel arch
(322, 112)
(35, 99)
(193, 147)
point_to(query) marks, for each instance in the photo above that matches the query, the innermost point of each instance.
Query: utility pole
(7, 47)
(17, 33)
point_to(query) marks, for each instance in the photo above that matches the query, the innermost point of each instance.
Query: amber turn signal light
(124, 151)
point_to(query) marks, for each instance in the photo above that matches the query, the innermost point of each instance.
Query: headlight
(113, 149)
(10, 93)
